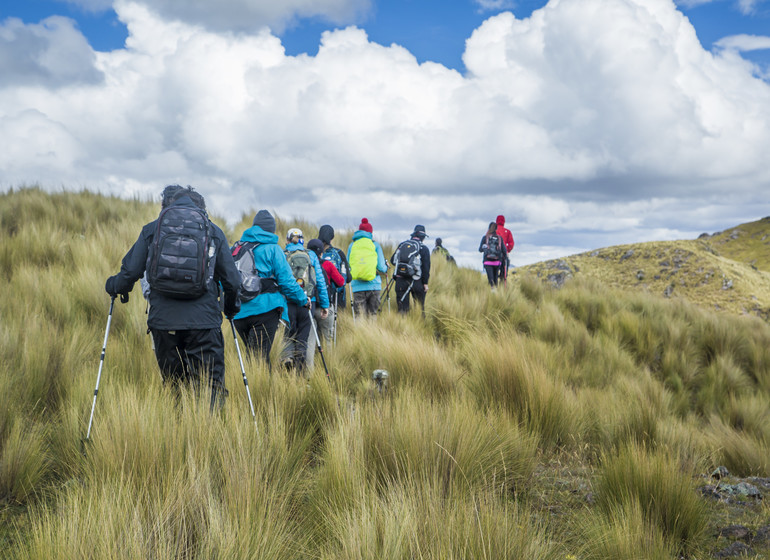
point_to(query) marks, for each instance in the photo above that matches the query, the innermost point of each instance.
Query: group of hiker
(191, 276)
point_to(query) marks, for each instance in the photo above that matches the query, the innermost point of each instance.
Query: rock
(710, 491)
(735, 549)
(640, 275)
(627, 255)
(704, 236)
(720, 473)
(746, 489)
(738, 532)
(668, 291)
(763, 534)
(763, 483)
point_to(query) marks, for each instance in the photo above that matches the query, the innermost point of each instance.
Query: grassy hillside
(577, 423)
(728, 271)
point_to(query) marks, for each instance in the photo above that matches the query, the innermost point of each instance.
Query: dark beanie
(316, 245)
(326, 234)
(365, 225)
(265, 220)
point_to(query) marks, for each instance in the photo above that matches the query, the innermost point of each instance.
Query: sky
(586, 123)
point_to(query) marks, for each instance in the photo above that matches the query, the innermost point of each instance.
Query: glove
(109, 287)
(232, 310)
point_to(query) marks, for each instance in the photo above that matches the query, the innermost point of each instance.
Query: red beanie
(500, 221)
(365, 225)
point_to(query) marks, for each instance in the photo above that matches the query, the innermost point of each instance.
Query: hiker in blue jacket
(297, 355)
(366, 293)
(257, 321)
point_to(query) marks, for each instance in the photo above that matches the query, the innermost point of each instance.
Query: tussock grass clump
(511, 375)
(624, 531)
(744, 453)
(402, 346)
(24, 461)
(452, 445)
(638, 480)
(408, 521)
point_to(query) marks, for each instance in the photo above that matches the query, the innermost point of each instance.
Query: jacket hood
(361, 233)
(256, 234)
(291, 247)
(326, 233)
(500, 221)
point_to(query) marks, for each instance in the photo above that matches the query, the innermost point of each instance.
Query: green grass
(531, 422)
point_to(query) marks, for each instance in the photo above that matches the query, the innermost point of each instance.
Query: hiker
(507, 238)
(334, 280)
(412, 270)
(366, 260)
(340, 261)
(308, 274)
(257, 321)
(439, 249)
(184, 315)
(494, 254)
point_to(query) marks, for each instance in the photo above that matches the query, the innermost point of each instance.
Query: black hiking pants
(258, 332)
(297, 336)
(404, 293)
(185, 355)
(494, 273)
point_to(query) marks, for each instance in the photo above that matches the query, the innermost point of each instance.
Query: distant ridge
(725, 271)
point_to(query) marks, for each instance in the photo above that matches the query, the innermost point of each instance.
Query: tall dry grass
(484, 392)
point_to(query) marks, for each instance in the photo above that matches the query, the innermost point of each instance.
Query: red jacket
(332, 273)
(506, 235)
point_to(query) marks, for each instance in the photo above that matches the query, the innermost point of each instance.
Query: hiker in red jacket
(507, 238)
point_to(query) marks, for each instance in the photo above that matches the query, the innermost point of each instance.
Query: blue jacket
(382, 266)
(270, 262)
(320, 282)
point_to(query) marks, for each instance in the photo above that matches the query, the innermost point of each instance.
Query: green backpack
(303, 270)
(363, 260)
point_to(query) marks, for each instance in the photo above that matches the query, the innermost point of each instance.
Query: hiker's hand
(425, 287)
(109, 287)
(324, 313)
(308, 303)
(232, 310)
(124, 297)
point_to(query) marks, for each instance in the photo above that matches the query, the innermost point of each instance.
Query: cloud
(744, 43)
(592, 122)
(746, 7)
(244, 15)
(51, 54)
(494, 5)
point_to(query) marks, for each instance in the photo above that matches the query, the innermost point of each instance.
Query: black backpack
(494, 250)
(252, 284)
(408, 261)
(180, 262)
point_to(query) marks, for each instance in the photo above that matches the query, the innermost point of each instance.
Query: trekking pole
(352, 303)
(334, 323)
(243, 372)
(101, 365)
(386, 293)
(409, 289)
(318, 343)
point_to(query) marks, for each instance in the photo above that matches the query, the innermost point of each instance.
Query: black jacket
(424, 260)
(176, 314)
